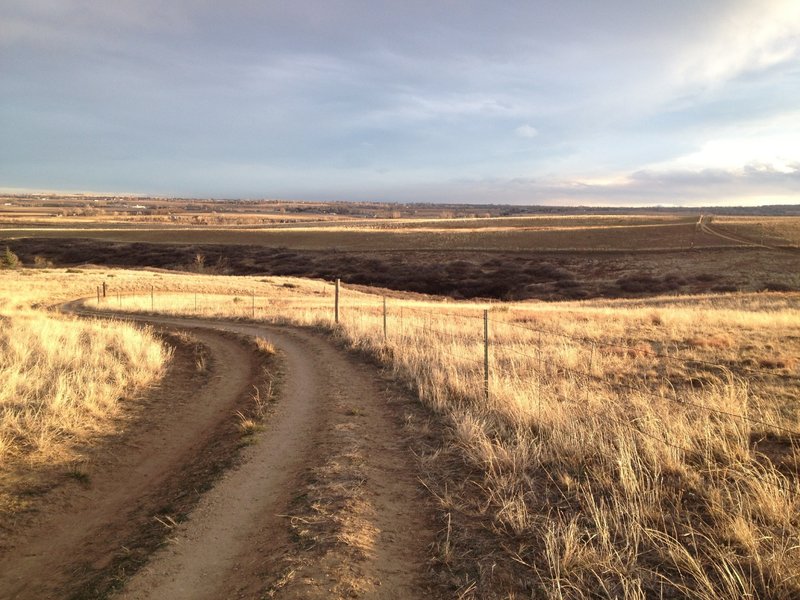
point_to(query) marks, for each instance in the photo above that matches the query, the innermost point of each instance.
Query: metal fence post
(486, 354)
(336, 303)
(540, 353)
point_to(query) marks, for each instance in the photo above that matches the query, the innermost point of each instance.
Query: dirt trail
(81, 531)
(704, 225)
(238, 539)
(324, 504)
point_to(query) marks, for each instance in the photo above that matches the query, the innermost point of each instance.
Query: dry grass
(568, 233)
(603, 484)
(62, 383)
(62, 379)
(627, 449)
(779, 231)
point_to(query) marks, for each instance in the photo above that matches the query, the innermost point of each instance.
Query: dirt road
(324, 503)
(704, 225)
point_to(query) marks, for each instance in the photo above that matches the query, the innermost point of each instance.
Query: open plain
(453, 431)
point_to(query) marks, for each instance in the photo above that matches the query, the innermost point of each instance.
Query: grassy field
(62, 379)
(642, 448)
(598, 234)
(459, 274)
(625, 443)
(778, 231)
(545, 257)
(63, 383)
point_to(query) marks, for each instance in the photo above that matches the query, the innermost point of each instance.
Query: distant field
(770, 230)
(565, 234)
(548, 257)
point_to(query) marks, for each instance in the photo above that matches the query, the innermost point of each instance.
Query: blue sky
(562, 102)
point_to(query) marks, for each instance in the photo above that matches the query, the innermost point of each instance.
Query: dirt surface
(141, 482)
(323, 503)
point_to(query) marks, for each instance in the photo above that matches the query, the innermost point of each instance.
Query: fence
(485, 349)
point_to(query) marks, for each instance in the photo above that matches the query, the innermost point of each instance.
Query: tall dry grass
(635, 449)
(62, 383)
(61, 380)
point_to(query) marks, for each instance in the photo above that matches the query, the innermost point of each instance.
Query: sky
(580, 102)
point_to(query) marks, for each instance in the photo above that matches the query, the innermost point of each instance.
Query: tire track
(82, 532)
(334, 414)
(334, 435)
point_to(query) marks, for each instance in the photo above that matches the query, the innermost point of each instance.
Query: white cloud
(526, 131)
(773, 143)
(757, 36)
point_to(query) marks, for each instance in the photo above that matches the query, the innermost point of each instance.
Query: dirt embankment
(323, 502)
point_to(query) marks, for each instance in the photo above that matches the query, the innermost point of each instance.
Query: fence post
(336, 303)
(98, 296)
(152, 299)
(385, 333)
(486, 354)
(104, 289)
(540, 353)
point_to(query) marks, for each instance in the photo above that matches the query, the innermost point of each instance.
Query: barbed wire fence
(482, 332)
(478, 337)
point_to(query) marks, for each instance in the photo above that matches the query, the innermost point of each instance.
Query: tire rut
(335, 436)
(334, 431)
(83, 532)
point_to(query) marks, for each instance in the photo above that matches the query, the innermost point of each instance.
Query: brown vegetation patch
(709, 341)
(778, 362)
(508, 275)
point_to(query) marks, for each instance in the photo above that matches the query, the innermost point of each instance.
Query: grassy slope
(582, 475)
(597, 463)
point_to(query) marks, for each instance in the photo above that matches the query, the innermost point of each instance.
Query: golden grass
(769, 230)
(627, 448)
(63, 381)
